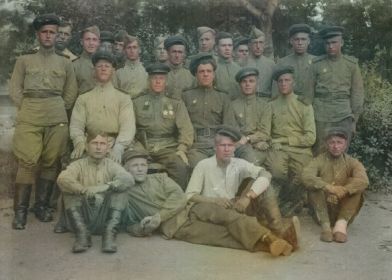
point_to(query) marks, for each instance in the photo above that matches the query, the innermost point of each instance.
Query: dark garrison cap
(157, 68)
(107, 36)
(130, 154)
(105, 55)
(175, 40)
(245, 72)
(45, 19)
(198, 59)
(241, 41)
(336, 131)
(331, 31)
(299, 27)
(229, 131)
(279, 70)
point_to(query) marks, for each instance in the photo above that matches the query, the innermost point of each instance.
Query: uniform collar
(94, 161)
(46, 52)
(131, 63)
(223, 60)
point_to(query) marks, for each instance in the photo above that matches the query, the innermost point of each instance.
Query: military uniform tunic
(343, 171)
(208, 108)
(84, 70)
(225, 77)
(265, 67)
(43, 86)
(132, 78)
(178, 79)
(164, 126)
(103, 109)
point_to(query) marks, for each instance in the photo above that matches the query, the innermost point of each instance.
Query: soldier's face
(47, 35)
(300, 42)
(98, 147)
(118, 47)
(242, 52)
(334, 45)
(206, 42)
(257, 46)
(138, 168)
(336, 145)
(106, 46)
(285, 84)
(161, 53)
(90, 42)
(63, 37)
(176, 54)
(225, 48)
(224, 148)
(132, 50)
(103, 71)
(158, 83)
(248, 85)
(205, 75)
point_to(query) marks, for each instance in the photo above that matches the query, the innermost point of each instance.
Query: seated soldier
(249, 111)
(163, 125)
(217, 180)
(103, 108)
(290, 124)
(94, 195)
(156, 201)
(335, 183)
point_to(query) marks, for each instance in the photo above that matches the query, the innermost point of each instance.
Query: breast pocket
(57, 76)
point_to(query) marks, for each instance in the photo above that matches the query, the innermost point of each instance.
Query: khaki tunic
(132, 78)
(178, 79)
(84, 70)
(265, 67)
(104, 109)
(225, 77)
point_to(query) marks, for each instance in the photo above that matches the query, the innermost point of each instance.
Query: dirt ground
(38, 253)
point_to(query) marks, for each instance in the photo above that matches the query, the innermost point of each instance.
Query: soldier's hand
(241, 204)
(183, 157)
(340, 192)
(261, 146)
(78, 150)
(116, 153)
(150, 223)
(242, 141)
(276, 146)
(89, 194)
(333, 199)
(224, 202)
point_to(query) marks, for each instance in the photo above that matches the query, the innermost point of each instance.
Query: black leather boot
(110, 231)
(82, 235)
(21, 205)
(43, 191)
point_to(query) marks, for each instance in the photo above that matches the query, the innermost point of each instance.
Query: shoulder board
(76, 59)
(304, 100)
(189, 88)
(172, 98)
(220, 90)
(119, 89)
(90, 89)
(351, 58)
(143, 93)
(318, 58)
(31, 51)
(61, 54)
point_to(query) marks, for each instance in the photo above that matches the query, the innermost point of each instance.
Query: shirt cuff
(260, 185)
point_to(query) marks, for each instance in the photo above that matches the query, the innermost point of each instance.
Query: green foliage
(373, 145)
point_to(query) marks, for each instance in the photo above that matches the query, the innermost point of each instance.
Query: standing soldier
(208, 108)
(241, 50)
(250, 115)
(163, 125)
(160, 52)
(226, 67)
(132, 78)
(103, 108)
(119, 47)
(63, 38)
(290, 124)
(43, 87)
(206, 36)
(300, 59)
(258, 60)
(337, 88)
(84, 69)
(179, 77)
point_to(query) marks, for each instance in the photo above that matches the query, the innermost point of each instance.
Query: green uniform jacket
(338, 90)
(287, 117)
(178, 79)
(225, 77)
(132, 78)
(208, 108)
(162, 122)
(342, 171)
(250, 115)
(265, 67)
(84, 70)
(302, 72)
(43, 86)
(88, 172)
(103, 109)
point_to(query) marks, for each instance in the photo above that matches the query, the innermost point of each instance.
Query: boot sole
(280, 247)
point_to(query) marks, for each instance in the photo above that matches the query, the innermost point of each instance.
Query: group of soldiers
(221, 148)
